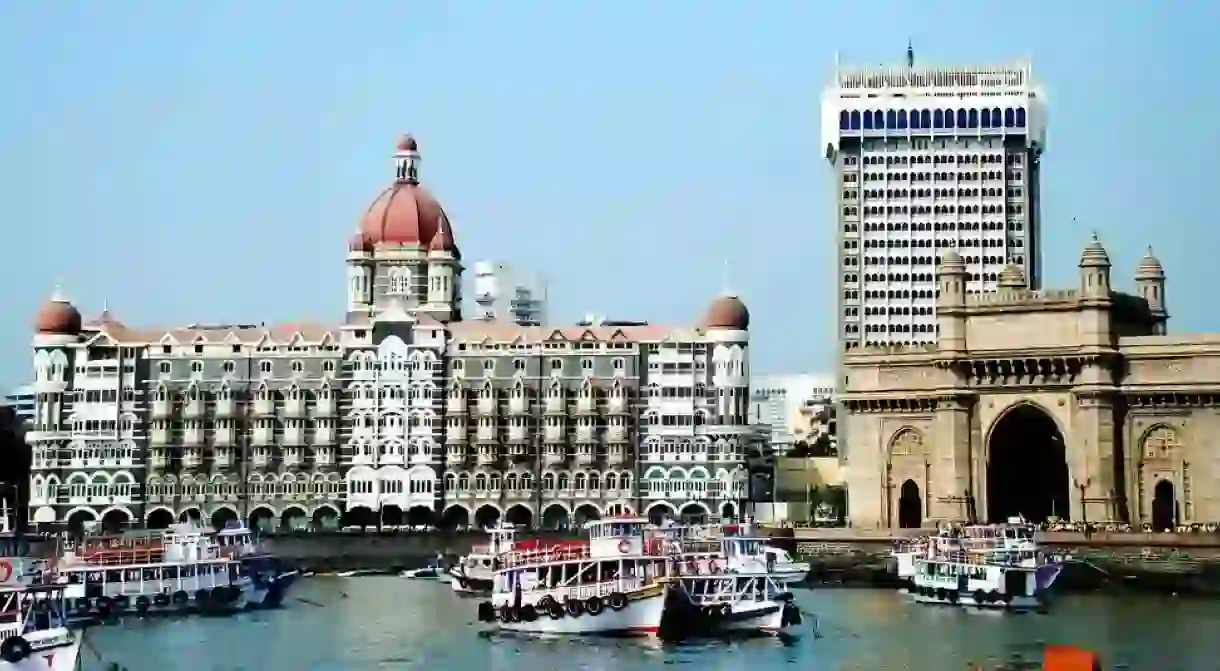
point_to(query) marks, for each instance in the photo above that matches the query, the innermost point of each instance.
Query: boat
(1015, 534)
(34, 633)
(739, 593)
(182, 569)
(433, 571)
(993, 566)
(701, 544)
(607, 586)
(269, 579)
(473, 573)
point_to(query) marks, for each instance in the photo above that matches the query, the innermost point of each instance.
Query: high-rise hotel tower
(927, 159)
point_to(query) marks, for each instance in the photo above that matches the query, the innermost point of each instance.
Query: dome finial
(406, 160)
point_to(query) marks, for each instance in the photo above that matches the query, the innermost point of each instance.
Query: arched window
(973, 119)
(938, 119)
(855, 120)
(868, 120)
(925, 119)
(1020, 117)
(962, 121)
(891, 119)
(1009, 118)
(902, 119)
(985, 118)
(948, 118)
(844, 120)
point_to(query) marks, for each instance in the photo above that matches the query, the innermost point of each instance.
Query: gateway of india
(1058, 404)
(400, 414)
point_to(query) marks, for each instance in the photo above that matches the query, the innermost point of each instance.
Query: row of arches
(121, 485)
(932, 119)
(677, 482)
(318, 485)
(393, 421)
(392, 449)
(365, 482)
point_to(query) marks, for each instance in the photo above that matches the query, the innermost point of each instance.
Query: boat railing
(555, 553)
(121, 557)
(1011, 559)
(600, 589)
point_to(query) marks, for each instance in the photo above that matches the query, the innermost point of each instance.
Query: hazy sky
(207, 161)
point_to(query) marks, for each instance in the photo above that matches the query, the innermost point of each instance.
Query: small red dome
(727, 312)
(407, 143)
(58, 317)
(359, 243)
(443, 241)
(405, 213)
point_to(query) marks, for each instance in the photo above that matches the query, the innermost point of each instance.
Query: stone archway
(115, 520)
(160, 518)
(222, 516)
(910, 506)
(486, 516)
(519, 515)
(420, 516)
(555, 517)
(1027, 471)
(191, 515)
(1164, 507)
(455, 517)
(78, 519)
(391, 515)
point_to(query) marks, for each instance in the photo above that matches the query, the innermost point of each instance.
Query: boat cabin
(235, 540)
(616, 536)
(743, 554)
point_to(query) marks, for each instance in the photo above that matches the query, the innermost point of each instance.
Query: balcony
(553, 455)
(486, 433)
(192, 459)
(157, 458)
(261, 458)
(294, 407)
(324, 456)
(455, 404)
(325, 406)
(487, 456)
(487, 406)
(263, 436)
(585, 430)
(455, 455)
(616, 455)
(264, 406)
(294, 435)
(555, 405)
(455, 434)
(159, 436)
(616, 432)
(225, 407)
(554, 433)
(518, 432)
(292, 457)
(323, 434)
(192, 435)
(160, 408)
(518, 404)
(222, 437)
(193, 409)
(617, 404)
(586, 403)
(584, 455)
(222, 458)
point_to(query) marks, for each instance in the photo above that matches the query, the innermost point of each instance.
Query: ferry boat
(700, 545)
(182, 570)
(607, 586)
(744, 595)
(1016, 535)
(1002, 579)
(33, 621)
(473, 573)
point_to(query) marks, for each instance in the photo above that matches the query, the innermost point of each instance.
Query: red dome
(443, 241)
(58, 317)
(405, 213)
(727, 312)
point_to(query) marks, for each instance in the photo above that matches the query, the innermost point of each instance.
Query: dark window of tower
(961, 119)
(868, 120)
(1009, 118)
(938, 119)
(855, 120)
(1020, 117)
(973, 119)
(891, 119)
(844, 120)
(948, 123)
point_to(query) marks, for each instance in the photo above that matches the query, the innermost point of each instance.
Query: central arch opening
(910, 506)
(1027, 472)
(1164, 507)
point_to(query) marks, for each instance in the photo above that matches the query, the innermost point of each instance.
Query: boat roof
(617, 520)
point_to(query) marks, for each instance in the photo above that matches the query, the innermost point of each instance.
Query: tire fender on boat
(142, 604)
(14, 649)
(161, 599)
(574, 607)
(594, 606)
(980, 597)
(181, 597)
(993, 595)
(617, 601)
(528, 613)
(725, 610)
(103, 604)
(554, 610)
(953, 596)
(487, 613)
(82, 604)
(202, 595)
(504, 614)
(122, 602)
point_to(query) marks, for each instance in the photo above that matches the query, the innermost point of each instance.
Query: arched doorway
(159, 519)
(359, 516)
(585, 513)
(520, 516)
(486, 516)
(555, 517)
(728, 511)
(222, 516)
(79, 519)
(1027, 472)
(261, 519)
(910, 506)
(1164, 507)
(391, 516)
(660, 512)
(420, 516)
(294, 518)
(455, 517)
(191, 515)
(115, 521)
(325, 518)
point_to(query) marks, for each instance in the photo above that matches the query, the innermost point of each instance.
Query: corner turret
(1150, 282)
(951, 303)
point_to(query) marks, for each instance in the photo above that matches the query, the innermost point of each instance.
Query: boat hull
(64, 657)
(774, 618)
(640, 617)
(463, 584)
(1018, 603)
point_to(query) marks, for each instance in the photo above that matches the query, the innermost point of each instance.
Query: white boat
(270, 583)
(183, 570)
(1016, 535)
(473, 573)
(33, 630)
(433, 571)
(998, 579)
(33, 620)
(609, 586)
(701, 544)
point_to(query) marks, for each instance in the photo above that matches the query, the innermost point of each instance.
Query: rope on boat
(109, 666)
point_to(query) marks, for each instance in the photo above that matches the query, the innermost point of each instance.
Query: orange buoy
(1067, 658)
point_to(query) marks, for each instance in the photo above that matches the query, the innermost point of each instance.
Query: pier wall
(320, 551)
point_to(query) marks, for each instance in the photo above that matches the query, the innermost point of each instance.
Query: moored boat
(34, 633)
(181, 570)
(473, 573)
(995, 578)
(701, 548)
(607, 586)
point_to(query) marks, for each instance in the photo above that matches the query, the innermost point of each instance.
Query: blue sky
(207, 161)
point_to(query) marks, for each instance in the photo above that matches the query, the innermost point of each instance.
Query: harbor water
(387, 622)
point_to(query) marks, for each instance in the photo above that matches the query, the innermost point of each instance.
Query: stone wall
(346, 551)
